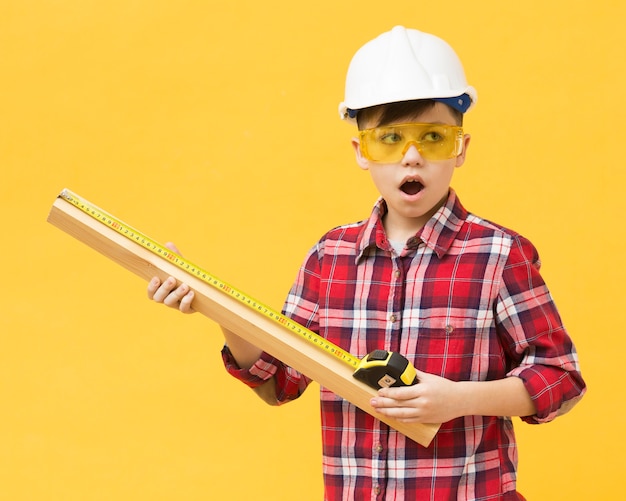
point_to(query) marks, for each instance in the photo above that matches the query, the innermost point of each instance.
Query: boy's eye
(432, 137)
(390, 138)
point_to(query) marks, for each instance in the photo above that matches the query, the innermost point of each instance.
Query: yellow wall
(214, 124)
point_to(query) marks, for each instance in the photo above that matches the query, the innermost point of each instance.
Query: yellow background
(214, 124)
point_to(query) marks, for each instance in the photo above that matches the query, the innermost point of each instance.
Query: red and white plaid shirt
(465, 301)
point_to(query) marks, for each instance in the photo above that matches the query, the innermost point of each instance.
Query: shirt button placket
(397, 277)
(378, 452)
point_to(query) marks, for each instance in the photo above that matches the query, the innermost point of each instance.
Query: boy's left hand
(433, 400)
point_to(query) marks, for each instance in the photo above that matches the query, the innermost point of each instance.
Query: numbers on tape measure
(165, 253)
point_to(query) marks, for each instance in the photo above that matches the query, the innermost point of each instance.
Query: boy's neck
(400, 229)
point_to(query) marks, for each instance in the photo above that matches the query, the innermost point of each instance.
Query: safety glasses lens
(390, 143)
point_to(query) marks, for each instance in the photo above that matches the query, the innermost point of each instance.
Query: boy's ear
(360, 159)
(460, 160)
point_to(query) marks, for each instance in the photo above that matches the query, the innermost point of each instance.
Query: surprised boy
(459, 296)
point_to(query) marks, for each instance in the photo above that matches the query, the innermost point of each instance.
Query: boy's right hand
(168, 293)
(179, 297)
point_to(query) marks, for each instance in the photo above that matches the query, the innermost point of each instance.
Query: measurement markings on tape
(187, 266)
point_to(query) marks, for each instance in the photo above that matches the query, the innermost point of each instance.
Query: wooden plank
(252, 326)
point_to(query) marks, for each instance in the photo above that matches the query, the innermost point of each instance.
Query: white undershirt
(397, 245)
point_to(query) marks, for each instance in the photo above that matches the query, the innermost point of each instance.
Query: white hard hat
(405, 65)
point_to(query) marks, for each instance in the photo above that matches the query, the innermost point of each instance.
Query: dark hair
(384, 114)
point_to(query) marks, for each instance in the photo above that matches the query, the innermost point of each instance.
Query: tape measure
(382, 369)
(371, 369)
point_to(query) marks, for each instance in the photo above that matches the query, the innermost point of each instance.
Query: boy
(459, 296)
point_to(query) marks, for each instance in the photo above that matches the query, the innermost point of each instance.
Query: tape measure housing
(382, 369)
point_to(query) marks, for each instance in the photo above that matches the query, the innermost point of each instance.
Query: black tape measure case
(382, 369)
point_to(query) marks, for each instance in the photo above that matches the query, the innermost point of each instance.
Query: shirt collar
(438, 233)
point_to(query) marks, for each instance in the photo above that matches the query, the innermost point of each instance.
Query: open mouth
(412, 187)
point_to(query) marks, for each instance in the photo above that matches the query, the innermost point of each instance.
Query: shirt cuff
(551, 389)
(260, 372)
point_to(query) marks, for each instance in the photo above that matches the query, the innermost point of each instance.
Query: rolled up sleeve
(261, 372)
(543, 354)
(290, 384)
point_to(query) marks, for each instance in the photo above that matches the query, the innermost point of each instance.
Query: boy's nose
(411, 154)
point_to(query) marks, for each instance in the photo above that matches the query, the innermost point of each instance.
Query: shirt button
(397, 273)
(378, 448)
(377, 489)
(449, 329)
(392, 317)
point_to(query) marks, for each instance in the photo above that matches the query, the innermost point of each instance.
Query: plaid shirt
(464, 300)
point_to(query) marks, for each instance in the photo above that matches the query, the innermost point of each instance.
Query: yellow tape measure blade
(194, 270)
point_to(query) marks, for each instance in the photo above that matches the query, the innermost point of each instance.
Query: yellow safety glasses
(389, 144)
